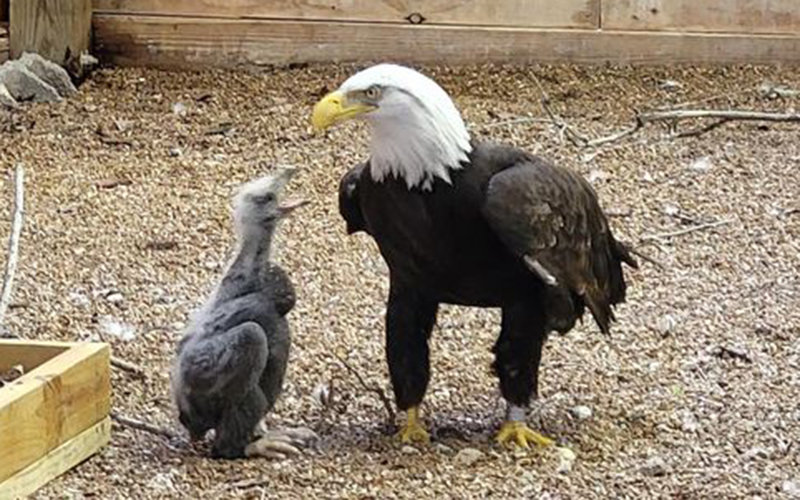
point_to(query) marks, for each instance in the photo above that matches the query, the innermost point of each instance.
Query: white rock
(115, 297)
(50, 72)
(118, 329)
(175, 152)
(581, 412)
(179, 109)
(321, 394)
(688, 422)
(79, 299)
(443, 448)
(566, 459)
(665, 325)
(654, 467)
(598, 175)
(791, 487)
(409, 450)
(669, 85)
(756, 452)
(701, 165)
(162, 481)
(6, 99)
(468, 456)
(670, 209)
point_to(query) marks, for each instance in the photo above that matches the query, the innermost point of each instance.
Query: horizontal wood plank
(527, 13)
(192, 43)
(719, 16)
(58, 461)
(52, 404)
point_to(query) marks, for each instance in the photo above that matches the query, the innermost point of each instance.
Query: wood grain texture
(57, 461)
(53, 403)
(192, 43)
(527, 13)
(728, 16)
(16, 352)
(53, 28)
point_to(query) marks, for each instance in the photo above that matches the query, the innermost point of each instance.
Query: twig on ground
(681, 232)
(720, 114)
(247, 483)
(144, 426)
(372, 388)
(13, 239)
(513, 121)
(564, 129)
(646, 258)
(127, 366)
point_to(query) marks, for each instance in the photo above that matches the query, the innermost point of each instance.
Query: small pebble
(791, 487)
(581, 412)
(654, 467)
(701, 165)
(115, 298)
(566, 459)
(409, 450)
(468, 456)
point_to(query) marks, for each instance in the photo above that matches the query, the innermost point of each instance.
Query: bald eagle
(470, 223)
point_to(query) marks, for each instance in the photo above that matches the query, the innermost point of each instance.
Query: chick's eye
(372, 92)
(267, 198)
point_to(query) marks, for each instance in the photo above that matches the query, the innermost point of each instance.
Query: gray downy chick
(231, 362)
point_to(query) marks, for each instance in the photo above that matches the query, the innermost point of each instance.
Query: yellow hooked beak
(334, 108)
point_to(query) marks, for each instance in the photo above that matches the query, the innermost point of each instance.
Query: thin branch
(646, 258)
(687, 230)
(127, 366)
(143, 426)
(514, 121)
(387, 404)
(576, 138)
(13, 240)
(720, 114)
(699, 130)
(616, 136)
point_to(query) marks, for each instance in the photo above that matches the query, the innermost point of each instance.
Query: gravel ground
(695, 395)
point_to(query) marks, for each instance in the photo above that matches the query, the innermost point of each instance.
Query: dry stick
(143, 426)
(372, 388)
(13, 240)
(128, 367)
(687, 230)
(514, 121)
(577, 139)
(720, 114)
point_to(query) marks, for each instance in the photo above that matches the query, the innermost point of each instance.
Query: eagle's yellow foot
(516, 432)
(413, 432)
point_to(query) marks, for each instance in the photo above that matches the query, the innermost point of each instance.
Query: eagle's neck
(418, 148)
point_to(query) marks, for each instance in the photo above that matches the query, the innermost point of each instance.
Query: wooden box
(55, 415)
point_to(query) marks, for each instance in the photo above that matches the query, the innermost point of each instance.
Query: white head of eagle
(417, 132)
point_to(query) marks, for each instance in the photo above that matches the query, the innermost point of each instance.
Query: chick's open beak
(290, 205)
(335, 108)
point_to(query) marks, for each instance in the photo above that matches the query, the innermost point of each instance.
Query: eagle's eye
(373, 92)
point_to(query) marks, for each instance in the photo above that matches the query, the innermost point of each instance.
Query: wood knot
(415, 18)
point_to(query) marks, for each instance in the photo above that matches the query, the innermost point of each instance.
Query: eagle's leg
(518, 353)
(409, 321)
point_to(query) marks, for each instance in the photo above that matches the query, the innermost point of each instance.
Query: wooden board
(51, 404)
(29, 355)
(58, 461)
(194, 43)
(528, 13)
(55, 29)
(729, 16)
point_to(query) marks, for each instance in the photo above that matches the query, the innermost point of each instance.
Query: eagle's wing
(550, 218)
(349, 206)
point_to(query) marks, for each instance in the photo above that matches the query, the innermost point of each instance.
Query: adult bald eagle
(470, 223)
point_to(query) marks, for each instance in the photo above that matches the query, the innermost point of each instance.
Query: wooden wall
(56, 29)
(196, 33)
